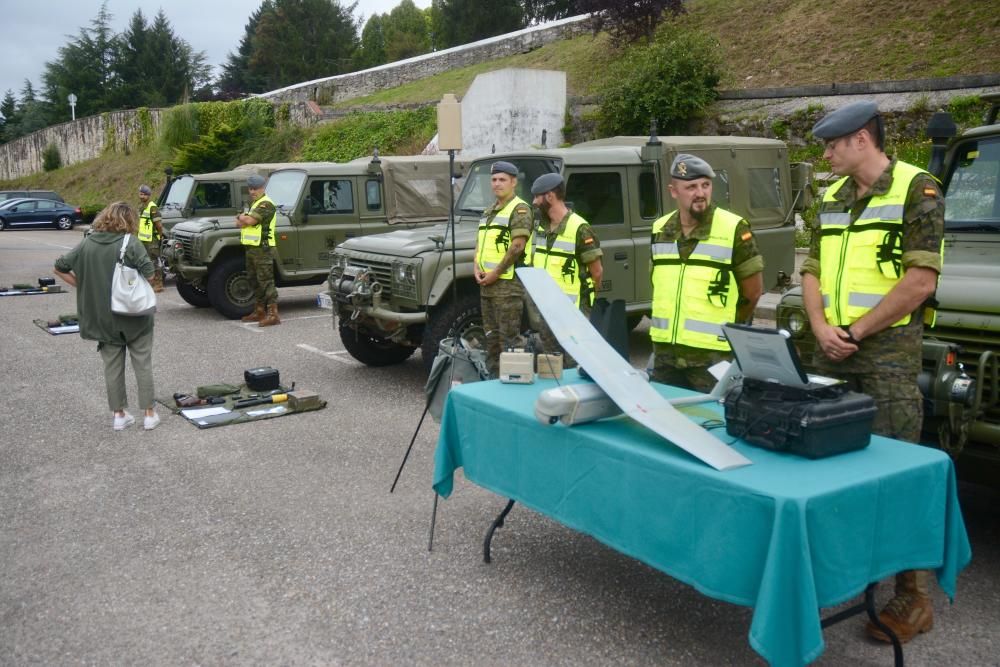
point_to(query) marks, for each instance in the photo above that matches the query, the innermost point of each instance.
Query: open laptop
(769, 355)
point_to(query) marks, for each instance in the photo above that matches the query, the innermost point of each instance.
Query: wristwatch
(850, 337)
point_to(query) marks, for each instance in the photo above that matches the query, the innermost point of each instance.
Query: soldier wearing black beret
(504, 232)
(873, 266)
(706, 271)
(151, 233)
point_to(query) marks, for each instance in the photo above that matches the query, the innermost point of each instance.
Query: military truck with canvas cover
(319, 205)
(392, 293)
(960, 379)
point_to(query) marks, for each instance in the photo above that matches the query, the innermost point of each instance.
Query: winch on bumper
(357, 297)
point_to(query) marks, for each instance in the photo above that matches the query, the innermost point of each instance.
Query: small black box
(810, 422)
(46, 282)
(261, 379)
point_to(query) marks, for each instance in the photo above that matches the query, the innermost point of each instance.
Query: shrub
(51, 159)
(672, 80)
(393, 132)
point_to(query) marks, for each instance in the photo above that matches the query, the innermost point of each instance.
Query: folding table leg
(497, 523)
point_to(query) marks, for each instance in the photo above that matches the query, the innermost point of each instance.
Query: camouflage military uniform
(502, 302)
(682, 365)
(260, 259)
(588, 249)
(153, 247)
(887, 363)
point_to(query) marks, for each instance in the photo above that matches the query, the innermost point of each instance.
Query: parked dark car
(6, 195)
(38, 212)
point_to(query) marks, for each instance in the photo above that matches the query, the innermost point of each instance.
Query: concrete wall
(356, 84)
(79, 140)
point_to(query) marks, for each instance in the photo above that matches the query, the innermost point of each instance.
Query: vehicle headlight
(404, 273)
(796, 322)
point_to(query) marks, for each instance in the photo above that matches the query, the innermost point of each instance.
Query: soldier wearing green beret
(258, 239)
(706, 271)
(504, 232)
(872, 271)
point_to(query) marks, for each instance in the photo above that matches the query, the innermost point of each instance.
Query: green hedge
(393, 132)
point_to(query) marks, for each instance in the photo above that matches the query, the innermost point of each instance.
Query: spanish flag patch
(746, 236)
(929, 191)
(588, 240)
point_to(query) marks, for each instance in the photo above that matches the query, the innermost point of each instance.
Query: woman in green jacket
(89, 267)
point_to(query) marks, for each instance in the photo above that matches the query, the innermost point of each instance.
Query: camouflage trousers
(503, 308)
(260, 272)
(153, 250)
(686, 367)
(898, 402)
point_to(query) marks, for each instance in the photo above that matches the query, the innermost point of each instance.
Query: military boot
(256, 316)
(272, 316)
(910, 612)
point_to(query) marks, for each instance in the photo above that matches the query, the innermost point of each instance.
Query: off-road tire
(195, 295)
(64, 222)
(229, 288)
(371, 350)
(466, 317)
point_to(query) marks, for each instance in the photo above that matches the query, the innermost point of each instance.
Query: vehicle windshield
(284, 187)
(973, 199)
(179, 192)
(477, 195)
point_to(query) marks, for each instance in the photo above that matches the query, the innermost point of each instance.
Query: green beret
(845, 120)
(687, 167)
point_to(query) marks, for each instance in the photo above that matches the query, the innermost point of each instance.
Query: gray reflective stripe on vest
(660, 322)
(702, 327)
(887, 212)
(563, 246)
(835, 219)
(490, 265)
(665, 249)
(863, 299)
(714, 251)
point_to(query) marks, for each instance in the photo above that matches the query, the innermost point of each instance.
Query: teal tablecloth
(785, 536)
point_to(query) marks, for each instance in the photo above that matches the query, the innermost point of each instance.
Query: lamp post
(72, 105)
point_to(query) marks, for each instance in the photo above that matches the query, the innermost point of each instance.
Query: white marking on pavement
(54, 245)
(335, 355)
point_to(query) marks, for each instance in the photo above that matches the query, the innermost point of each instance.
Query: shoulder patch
(521, 208)
(930, 191)
(746, 236)
(588, 240)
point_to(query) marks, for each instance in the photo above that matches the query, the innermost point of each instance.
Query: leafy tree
(302, 40)
(464, 21)
(51, 159)
(236, 77)
(31, 113)
(8, 109)
(672, 80)
(537, 11)
(629, 20)
(405, 31)
(372, 51)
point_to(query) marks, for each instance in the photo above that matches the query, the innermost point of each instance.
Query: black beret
(687, 167)
(845, 120)
(145, 189)
(546, 183)
(256, 181)
(502, 167)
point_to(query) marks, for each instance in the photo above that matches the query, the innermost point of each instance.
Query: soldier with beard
(706, 271)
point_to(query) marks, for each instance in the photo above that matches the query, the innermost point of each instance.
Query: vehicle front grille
(187, 240)
(379, 271)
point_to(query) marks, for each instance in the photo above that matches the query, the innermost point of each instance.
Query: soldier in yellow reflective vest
(867, 285)
(151, 232)
(706, 271)
(504, 232)
(565, 245)
(258, 239)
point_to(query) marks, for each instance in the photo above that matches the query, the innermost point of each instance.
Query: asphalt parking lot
(277, 542)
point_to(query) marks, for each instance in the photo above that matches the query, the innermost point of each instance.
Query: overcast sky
(35, 29)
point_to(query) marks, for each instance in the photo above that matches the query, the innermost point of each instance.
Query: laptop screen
(766, 354)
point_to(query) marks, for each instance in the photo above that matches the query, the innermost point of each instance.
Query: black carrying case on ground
(808, 421)
(261, 379)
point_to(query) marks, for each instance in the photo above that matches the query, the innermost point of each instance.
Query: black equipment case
(808, 421)
(261, 379)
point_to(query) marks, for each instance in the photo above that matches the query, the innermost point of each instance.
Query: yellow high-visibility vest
(559, 261)
(494, 238)
(693, 298)
(251, 235)
(146, 228)
(861, 262)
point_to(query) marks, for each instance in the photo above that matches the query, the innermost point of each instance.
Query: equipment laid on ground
(262, 400)
(220, 403)
(261, 379)
(779, 407)
(303, 400)
(189, 401)
(64, 324)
